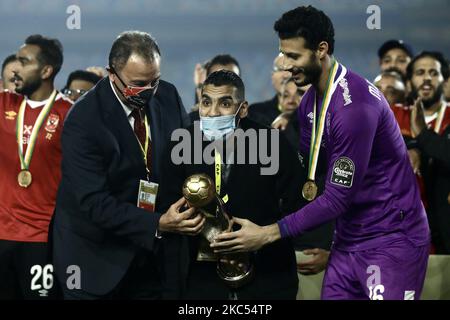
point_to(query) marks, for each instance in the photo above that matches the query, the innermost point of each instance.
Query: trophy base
(232, 278)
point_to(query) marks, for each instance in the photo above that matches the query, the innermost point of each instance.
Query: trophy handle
(222, 215)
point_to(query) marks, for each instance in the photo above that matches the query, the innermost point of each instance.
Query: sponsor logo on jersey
(343, 172)
(43, 293)
(409, 295)
(346, 92)
(27, 129)
(374, 90)
(310, 116)
(10, 115)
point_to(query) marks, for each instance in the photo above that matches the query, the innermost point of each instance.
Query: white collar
(430, 118)
(33, 104)
(434, 116)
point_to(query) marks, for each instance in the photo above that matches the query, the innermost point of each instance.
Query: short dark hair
(82, 75)
(223, 60)
(129, 42)
(434, 55)
(226, 78)
(8, 60)
(395, 44)
(309, 23)
(51, 51)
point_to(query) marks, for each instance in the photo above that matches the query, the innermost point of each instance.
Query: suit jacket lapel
(117, 121)
(153, 112)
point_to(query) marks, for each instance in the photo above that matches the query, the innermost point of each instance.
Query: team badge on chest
(52, 123)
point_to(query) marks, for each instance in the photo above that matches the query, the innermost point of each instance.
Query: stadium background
(191, 31)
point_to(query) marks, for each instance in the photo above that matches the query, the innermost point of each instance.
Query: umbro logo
(311, 117)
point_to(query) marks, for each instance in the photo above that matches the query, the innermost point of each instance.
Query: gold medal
(309, 190)
(24, 178)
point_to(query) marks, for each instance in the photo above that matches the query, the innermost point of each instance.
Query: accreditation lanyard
(25, 160)
(218, 174)
(144, 148)
(317, 129)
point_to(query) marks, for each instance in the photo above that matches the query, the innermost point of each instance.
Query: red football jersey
(403, 115)
(25, 213)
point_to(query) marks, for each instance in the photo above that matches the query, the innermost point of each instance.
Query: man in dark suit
(247, 190)
(104, 245)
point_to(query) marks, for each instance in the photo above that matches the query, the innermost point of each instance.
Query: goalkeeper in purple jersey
(381, 242)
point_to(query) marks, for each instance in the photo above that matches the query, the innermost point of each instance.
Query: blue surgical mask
(215, 128)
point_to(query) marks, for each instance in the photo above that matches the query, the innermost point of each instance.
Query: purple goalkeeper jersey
(370, 186)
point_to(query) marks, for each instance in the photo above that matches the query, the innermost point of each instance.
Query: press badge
(147, 195)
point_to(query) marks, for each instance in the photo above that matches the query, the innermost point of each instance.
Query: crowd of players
(415, 85)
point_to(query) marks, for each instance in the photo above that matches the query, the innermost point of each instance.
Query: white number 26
(43, 273)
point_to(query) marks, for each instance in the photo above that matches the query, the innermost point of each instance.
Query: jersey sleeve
(352, 134)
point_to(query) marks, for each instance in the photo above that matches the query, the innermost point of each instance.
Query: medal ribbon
(317, 129)
(26, 160)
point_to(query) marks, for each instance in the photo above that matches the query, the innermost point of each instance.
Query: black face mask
(137, 97)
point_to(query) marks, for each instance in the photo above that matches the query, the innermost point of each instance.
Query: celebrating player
(381, 242)
(30, 158)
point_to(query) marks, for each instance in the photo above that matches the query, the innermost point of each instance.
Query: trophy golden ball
(198, 190)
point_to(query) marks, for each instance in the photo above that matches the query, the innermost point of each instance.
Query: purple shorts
(393, 272)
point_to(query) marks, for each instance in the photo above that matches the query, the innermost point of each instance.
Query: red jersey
(25, 213)
(403, 115)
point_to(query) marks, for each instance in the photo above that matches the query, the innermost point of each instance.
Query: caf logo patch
(343, 171)
(52, 123)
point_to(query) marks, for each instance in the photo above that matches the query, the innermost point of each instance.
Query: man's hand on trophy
(178, 220)
(250, 237)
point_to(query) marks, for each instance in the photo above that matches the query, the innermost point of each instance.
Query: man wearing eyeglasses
(266, 111)
(79, 82)
(108, 231)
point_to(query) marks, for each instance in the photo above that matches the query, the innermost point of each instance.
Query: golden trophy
(198, 190)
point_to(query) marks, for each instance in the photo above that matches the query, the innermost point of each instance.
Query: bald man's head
(391, 84)
(278, 75)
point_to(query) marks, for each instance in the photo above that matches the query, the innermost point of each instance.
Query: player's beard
(429, 102)
(29, 85)
(311, 73)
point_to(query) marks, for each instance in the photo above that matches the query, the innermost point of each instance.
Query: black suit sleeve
(176, 252)
(185, 121)
(435, 146)
(173, 178)
(84, 169)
